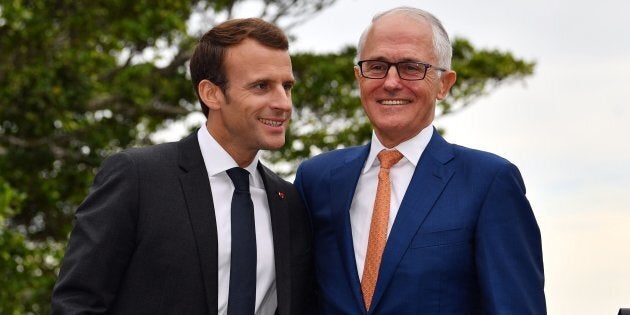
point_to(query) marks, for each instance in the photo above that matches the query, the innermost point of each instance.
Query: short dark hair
(207, 61)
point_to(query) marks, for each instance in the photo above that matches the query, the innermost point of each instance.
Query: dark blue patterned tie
(242, 298)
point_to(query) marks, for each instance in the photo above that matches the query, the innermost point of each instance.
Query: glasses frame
(390, 64)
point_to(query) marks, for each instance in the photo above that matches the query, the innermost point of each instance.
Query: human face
(399, 109)
(256, 108)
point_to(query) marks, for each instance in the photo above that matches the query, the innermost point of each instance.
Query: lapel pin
(281, 195)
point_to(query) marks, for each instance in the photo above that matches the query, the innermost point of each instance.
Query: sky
(566, 127)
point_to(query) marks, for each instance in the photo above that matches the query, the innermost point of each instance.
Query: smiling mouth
(272, 123)
(394, 102)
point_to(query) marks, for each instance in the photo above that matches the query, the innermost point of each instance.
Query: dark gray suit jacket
(145, 239)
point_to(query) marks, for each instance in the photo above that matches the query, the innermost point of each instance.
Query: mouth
(272, 123)
(394, 102)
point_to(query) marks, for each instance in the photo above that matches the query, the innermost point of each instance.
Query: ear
(447, 79)
(357, 73)
(211, 95)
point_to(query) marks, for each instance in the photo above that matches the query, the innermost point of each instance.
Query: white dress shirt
(365, 193)
(217, 162)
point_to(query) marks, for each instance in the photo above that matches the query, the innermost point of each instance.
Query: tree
(27, 268)
(80, 80)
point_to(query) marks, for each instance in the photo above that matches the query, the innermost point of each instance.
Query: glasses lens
(374, 69)
(411, 70)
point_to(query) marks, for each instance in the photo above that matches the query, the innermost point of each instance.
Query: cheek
(368, 86)
(426, 93)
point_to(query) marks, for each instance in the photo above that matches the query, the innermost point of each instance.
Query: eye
(288, 86)
(412, 67)
(376, 66)
(261, 85)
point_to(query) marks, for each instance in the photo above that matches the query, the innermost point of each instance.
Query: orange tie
(378, 226)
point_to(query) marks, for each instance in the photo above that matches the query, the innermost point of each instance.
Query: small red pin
(281, 195)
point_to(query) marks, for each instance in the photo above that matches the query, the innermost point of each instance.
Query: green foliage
(479, 72)
(76, 87)
(27, 269)
(82, 79)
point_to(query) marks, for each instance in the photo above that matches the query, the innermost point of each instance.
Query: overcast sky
(567, 127)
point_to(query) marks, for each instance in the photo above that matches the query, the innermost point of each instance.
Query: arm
(101, 242)
(508, 249)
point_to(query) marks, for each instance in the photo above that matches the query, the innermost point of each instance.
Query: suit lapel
(198, 195)
(281, 229)
(344, 180)
(428, 181)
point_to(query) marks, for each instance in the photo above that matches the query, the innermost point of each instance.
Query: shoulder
(479, 157)
(449, 153)
(167, 151)
(476, 165)
(154, 158)
(328, 159)
(152, 152)
(485, 167)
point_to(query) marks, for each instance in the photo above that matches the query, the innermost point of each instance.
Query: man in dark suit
(155, 234)
(410, 224)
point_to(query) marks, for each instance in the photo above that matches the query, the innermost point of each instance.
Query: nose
(282, 99)
(392, 79)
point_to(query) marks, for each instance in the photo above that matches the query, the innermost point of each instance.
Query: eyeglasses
(407, 70)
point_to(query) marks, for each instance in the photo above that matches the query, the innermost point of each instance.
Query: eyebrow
(401, 60)
(269, 81)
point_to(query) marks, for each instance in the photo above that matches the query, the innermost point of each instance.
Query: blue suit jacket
(464, 241)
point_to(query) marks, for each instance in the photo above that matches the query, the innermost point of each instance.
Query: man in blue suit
(446, 229)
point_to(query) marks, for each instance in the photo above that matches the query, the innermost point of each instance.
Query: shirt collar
(411, 149)
(217, 160)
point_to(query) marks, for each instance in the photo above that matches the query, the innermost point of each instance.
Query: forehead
(398, 37)
(250, 58)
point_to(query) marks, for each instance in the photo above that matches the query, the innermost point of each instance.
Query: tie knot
(240, 178)
(389, 157)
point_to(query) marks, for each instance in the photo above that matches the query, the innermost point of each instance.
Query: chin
(273, 145)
